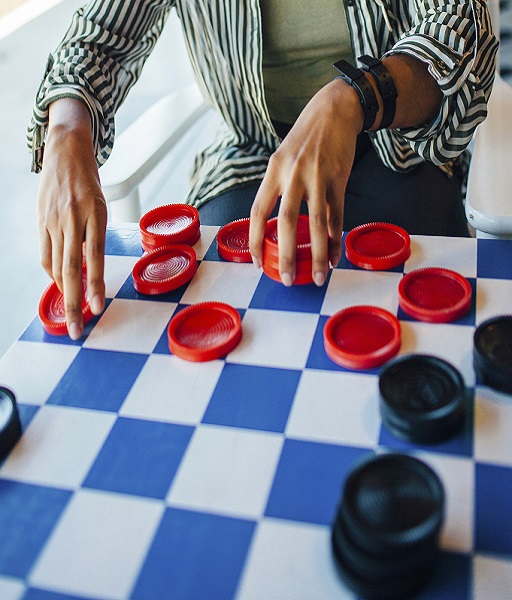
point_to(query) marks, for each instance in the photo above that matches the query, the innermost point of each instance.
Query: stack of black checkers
(422, 398)
(385, 536)
(10, 426)
(492, 353)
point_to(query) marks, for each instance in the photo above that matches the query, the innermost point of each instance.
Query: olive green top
(301, 41)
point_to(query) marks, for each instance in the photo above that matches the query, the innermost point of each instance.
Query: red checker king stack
(233, 241)
(164, 269)
(169, 224)
(51, 308)
(303, 265)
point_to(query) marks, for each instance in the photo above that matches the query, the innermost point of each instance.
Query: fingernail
(319, 278)
(256, 261)
(74, 331)
(287, 279)
(96, 304)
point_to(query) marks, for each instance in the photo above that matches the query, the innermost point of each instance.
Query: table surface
(141, 475)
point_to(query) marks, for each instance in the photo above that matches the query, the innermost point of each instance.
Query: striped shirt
(108, 42)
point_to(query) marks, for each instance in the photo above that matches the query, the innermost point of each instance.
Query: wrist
(68, 115)
(367, 92)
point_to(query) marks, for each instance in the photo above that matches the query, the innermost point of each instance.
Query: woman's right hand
(71, 211)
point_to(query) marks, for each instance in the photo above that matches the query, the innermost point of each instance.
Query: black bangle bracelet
(386, 87)
(357, 79)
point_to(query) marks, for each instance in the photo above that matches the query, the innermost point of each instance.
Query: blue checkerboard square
(139, 457)
(308, 481)
(194, 555)
(98, 379)
(125, 242)
(493, 512)
(273, 295)
(28, 513)
(487, 265)
(263, 402)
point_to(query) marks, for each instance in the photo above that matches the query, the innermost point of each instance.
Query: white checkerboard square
(98, 545)
(117, 270)
(208, 233)
(275, 338)
(59, 446)
(131, 326)
(223, 282)
(291, 561)
(493, 427)
(227, 471)
(11, 589)
(457, 254)
(32, 370)
(340, 408)
(349, 287)
(458, 478)
(173, 390)
(492, 578)
(451, 342)
(493, 297)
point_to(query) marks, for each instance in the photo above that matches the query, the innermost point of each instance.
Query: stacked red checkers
(377, 246)
(303, 264)
(233, 241)
(169, 224)
(434, 294)
(164, 269)
(362, 337)
(204, 331)
(51, 309)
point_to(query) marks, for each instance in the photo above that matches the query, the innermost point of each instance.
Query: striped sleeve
(99, 59)
(456, 40)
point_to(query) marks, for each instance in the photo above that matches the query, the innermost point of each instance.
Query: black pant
(424, 201)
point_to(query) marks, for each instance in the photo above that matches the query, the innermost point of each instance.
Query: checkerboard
(143, 476)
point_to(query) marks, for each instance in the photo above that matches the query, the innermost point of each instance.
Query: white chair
(489, 191)
(143, 145)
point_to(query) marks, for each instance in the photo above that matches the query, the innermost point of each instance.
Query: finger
(57, 250)
(264, 202)
(45, 252)
(287, 231)
(72, 284)
(317, 206)
(95, 259)
(335, 212)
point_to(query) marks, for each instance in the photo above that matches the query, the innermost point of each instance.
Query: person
(346, 146)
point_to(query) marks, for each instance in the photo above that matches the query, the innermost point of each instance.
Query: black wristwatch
(357, 79)
(386, 87)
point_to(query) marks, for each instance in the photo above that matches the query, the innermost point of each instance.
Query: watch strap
(357, 79)
(385, 85)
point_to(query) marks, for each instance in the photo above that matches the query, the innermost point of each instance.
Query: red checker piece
(362, 337)
(377, 246)
(204, 331)
(51, 308)
(233, 241)
(434, 294)
(165, 269)
(303, 265)
(169, 224)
